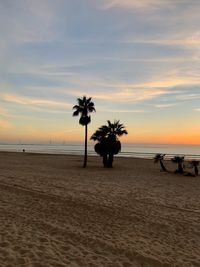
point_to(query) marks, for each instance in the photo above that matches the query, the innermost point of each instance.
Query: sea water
(128, 150)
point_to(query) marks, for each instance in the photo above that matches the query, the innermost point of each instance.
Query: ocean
(128, 150)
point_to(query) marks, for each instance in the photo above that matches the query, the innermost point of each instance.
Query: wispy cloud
(133, 92)
(121, 110)
(139, 4)
(23, 100)
(183, 75)
(188, 96)
(181, 39)
(129, 94)
(165, 105)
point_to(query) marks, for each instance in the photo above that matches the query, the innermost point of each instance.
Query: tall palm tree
(179, 161)
(160, 158)
(83, 108)
(108, 144)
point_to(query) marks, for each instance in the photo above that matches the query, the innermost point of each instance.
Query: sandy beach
(56, 213)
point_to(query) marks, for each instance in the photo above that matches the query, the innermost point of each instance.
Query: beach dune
(56, 213)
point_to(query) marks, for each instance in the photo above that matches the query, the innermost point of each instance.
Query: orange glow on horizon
(76, 135)
(183, 139)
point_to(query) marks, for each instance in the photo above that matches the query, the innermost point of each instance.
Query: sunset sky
(138, 60)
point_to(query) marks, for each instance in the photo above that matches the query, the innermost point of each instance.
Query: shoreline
(138, 155)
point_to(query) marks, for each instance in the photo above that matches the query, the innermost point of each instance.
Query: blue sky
(138, 60)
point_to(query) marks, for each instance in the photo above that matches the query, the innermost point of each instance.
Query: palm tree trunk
(105, 161)
(180, 168)
(162, 166)
(196, 170)
(85, 156)
(110, 160)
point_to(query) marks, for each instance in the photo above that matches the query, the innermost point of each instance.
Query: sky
(138, 60)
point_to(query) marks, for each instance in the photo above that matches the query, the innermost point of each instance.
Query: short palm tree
(83, 108)
(195, 165)
(160, 158)
(179, 161)
(108, 144)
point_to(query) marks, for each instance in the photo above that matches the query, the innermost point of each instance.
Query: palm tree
(108, 144)
(160, 158)
(83, 108)
(180, 161)
(195, 165)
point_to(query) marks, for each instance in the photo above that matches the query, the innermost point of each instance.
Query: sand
(53, 212)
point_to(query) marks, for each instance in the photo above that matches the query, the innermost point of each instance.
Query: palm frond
(158, 157)
(75, 113)
(80, 102)
(84, 107)
(177, 159)
(91, 109)
(88, 101)
(109, 131)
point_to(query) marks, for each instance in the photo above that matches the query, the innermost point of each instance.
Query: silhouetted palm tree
(195, 165)
(108, 144)
(160, 158)
(180, 161)
(83, 108)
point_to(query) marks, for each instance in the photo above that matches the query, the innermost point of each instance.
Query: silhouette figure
(83, 108)
(108, 144)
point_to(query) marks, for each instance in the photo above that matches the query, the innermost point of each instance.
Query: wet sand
(56, 213)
